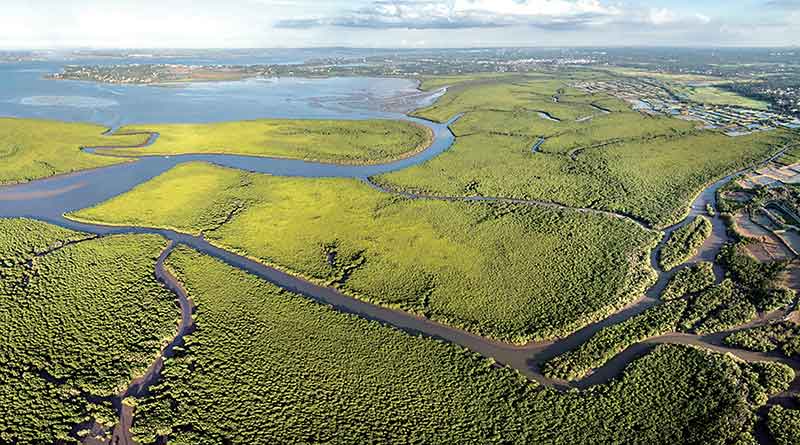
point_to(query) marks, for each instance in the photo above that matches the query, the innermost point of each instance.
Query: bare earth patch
(791, 238)
(765, 251)
(791, 279)
(738, 196)
(748, 228)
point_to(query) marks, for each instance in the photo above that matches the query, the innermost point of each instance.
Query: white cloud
(533, 8)
(702, 18)
(667, 18)
(432, 14)
(661, 16)
(252, 23)
(566, 15)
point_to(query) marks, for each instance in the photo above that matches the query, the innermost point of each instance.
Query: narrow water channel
(102, 184)
(49, 199)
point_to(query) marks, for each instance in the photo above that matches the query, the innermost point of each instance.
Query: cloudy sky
(396, 23)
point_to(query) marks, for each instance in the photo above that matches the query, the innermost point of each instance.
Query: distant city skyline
(42, 24)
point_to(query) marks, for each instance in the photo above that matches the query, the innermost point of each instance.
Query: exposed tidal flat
(68, 101)
(37, 149)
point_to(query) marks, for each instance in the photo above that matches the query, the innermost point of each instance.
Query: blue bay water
(24, 92)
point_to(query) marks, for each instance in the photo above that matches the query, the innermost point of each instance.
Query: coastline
(427, 142)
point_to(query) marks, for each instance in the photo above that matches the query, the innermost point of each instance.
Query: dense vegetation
(721, 307)
(750, 287)
(84, 316)
(783, 336)
(773, 377)
(268, 365)
(319, 140)
(511, 272)
(509, 93)
(22, 239)
(32, 149)
(729, 206)
(784, 425)
(761, 281)
(80, 318)
(612, 340)
(748, 271)
(684, 243)
(779, 91)
(623, 162)
(689, 280)
(792, 156)
(430, 83)
(693, 303)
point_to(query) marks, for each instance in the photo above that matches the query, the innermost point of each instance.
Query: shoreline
(188, 81)
(428, 141)
(108, 131)
(525, 358)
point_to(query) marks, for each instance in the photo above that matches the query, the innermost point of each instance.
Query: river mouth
(49, 199)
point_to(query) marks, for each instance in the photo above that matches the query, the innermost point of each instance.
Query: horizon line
(404, 48)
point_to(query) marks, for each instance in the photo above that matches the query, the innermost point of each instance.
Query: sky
(43, 24)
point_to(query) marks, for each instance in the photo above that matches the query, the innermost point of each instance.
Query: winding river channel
(50, 199)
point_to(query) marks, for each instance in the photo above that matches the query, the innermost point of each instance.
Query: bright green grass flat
(649, 176)
(356, 142)
(512, 272)
(647, 167)
(32, 149)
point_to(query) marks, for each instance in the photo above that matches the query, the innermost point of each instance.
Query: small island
(160, 73)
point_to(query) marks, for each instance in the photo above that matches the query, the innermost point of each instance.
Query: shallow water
(24, 92)
(52, 197)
